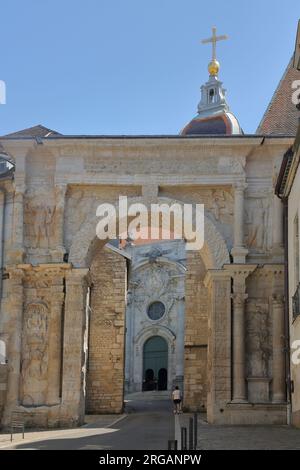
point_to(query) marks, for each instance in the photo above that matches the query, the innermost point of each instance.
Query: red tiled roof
(281, 116)
(36, 131)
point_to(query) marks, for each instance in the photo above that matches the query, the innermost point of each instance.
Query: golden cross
(214, 39)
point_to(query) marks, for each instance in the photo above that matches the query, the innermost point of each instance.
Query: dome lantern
(214, 116)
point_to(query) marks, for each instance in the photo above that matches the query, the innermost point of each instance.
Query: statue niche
(34, 354)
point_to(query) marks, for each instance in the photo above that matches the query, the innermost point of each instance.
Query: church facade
(82, 321)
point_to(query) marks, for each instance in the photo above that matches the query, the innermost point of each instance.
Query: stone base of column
(239, 254)
(239, 400)
(57, 255)
(259, 389)
(16, 255)
(279, 398)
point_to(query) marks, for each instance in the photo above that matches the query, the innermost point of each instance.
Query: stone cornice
(251, 139)
(45, 267)
(140, 179)
(236, 270)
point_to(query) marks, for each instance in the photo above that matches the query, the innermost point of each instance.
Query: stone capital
(240, 272)
(240, 186)
(239, 299)
(16, 274)
(77, 276)
(215, 275)
(239, 254)
(278, 299)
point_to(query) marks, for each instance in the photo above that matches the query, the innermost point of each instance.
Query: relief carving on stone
(218, 202)
(35, 354)
(258, 338)
(40, 226)
(257, 221)
(221, 205)
(228, 165)
(155, 281)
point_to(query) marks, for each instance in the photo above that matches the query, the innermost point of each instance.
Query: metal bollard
(191, 434)
(183, 439)
(172, 445)
(195, 431)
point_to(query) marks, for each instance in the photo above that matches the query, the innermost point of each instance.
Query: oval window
(156, 310)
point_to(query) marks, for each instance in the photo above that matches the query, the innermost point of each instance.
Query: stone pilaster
(16, 252)
(278, 335)
(277, 225)
(73, 347)
(180, 343)
(279, 392)
(239, 339)
(218, 283)
(2, 210)
(239, 275)
(55, 342)
(239, 252)
(58, 252)
(13, 309)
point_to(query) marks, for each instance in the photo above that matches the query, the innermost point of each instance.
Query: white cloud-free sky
(136, 66)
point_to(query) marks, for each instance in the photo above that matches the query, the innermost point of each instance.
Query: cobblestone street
(212, 437)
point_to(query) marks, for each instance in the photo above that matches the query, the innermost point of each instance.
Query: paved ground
(212, 437)
(149, 425)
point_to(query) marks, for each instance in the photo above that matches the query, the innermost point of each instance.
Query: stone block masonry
(105, 367)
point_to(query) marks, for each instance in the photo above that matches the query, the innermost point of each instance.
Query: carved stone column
(180, 343)
(16, 250)
(13, 311)
(16, 253)
(279, 393)
(239, 338)
(277, 225)
(239, 251)
(218, 283)
(2, 210)
(279, 386)
(58, 252)
(239, 275)
(55, 342)
(73, 347)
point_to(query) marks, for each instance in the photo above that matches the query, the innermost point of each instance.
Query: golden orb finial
(213, 68)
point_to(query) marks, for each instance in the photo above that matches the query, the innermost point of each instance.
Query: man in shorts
(176, 395)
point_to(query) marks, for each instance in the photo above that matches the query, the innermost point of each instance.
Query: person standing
(176, 395)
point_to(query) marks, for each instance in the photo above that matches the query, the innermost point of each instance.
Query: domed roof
(214, 116)
(224, 123)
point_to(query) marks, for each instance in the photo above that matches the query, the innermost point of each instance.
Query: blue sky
(136, 66)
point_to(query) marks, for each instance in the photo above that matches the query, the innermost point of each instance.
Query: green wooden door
(155, 358)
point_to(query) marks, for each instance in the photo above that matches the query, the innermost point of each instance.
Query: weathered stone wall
(196, 317)
(219, 346)
(294, 268)
(105, 374)
(3, 386)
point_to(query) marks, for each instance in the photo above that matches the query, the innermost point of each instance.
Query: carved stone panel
(34, 366)
(258, 232)
(258, 338)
